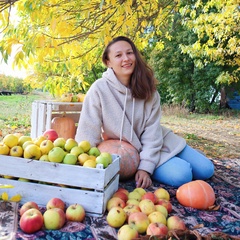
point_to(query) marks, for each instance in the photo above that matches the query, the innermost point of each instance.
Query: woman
(124, 104)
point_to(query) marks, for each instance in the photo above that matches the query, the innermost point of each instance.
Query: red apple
(131, 209)
(116, 217)
(75, 212)
(31, 221)
(162, 193)
(127, 232)
(156, 229)
(123, 190)
(54, 218)
(50, 134)
(26, 206)
(151, 196)
(55, 203)
(166, 204)
(121, 195)
(175, 223)
(147, 206)
(115, 202)
(139, 221)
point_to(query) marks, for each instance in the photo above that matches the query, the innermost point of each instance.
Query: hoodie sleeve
(152, 138)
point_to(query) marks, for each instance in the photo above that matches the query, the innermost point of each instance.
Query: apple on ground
(32, 151)
(115, 202)
(151, 196)
(70, 143)
(70, 159)
(59, 142)
(50, 134)
(55, 203)
(16, 151)
(135, 195)
(162, 193)
(56, 154)
(175, 223)
(116, 217)
(54, 218)
(123, 190)
(157, 229)
(157, 217)
(127, 232)
(94, 151)
(140, 190)
(121, 195)
(162, 209)
(147, 206)
(167, 204)
(31, 221)
(75, 212)
(132, 202)
(26, 206)
(46, 146)
(139, 221)
(131, 209)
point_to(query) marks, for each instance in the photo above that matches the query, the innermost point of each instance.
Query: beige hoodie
(109, 106)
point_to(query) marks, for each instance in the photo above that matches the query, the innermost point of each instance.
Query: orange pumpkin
(64, 126)
(129, 156)
(196, 194)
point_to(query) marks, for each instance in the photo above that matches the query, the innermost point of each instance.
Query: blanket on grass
(223, 220)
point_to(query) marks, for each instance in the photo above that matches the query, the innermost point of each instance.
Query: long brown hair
(142, 83)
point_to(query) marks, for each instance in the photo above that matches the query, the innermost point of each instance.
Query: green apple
(94, 151)
(44, 157)
(46, 146)
(23, 180)
(70, 143)
(57, 154)
(23, 139)
(76, 150)
(104, 158)
(32, 151)
(74, 98)
(59, 142)
(70, 159)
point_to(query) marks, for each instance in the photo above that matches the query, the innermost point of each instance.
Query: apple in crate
(75, 212)
(31, 221)
(56, 154)
(70, 159)
(156, 229)
(16, 151)
(70, 143)
(55, 203)
(26, 206)
(32, 151)
(116, 217)
(46, 146)
(127, 232)
(54, 218)
(4, 149)
(60, 142)
(50, 134)
(105, 159)
(139, 221)
(175, 223)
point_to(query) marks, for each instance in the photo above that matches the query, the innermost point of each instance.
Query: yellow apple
(83, 158)
(157, 216)
(26, 144)
(32, 151)
(90, 163)
(4, 149)
(85, 145)
(76, 150)
(46, 146)
(16, 151)
(59, 142)
(23, 139)
(10, 140)
(38, 140)
(44, 157)
(70, 143)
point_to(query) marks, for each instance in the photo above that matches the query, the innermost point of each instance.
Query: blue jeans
(189, 164)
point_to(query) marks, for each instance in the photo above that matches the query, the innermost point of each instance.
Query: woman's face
(122, 60)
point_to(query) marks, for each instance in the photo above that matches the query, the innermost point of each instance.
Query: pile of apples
(50, 147)
(71, 97)
(141, 212)
(53, 218)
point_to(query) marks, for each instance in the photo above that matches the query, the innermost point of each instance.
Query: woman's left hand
(143, 179)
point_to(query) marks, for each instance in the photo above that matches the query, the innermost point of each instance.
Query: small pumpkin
(64, 126)
(196, 194)
(129, 156)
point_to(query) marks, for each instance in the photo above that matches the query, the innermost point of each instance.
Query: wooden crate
(90, 187)
(44, 111)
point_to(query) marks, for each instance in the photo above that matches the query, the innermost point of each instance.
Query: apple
(175, 223)
(167, 204)
(70, 143)
(75, 212)
(123, 190)
(139, 221)
(70, 159)
(82, 158)
(121, 195)
(116, 217)
(23, 139)
(127, 232)
(23, 180)
(25, 144)
(44, 158)
(10, 140)
(94, 151)
(131, 209)
(105, 159)
(162, 193)
(74, 98)
(55, 203)
(50, 134)
(135, 195)
(85, 145)
(151, 196)
(4, 149)
(76, 150)
(16, 151)
(32, 151)
(46, 146)
(31, 221)
(140, 190)
(157, 217)
(90, 163)
(157, 229)
(38, 140)
(115, 202)
(59, 142)
(56, 154)
(132, 202)
(54, 218)
(162, 209)
(147, 206)
(26, 206)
